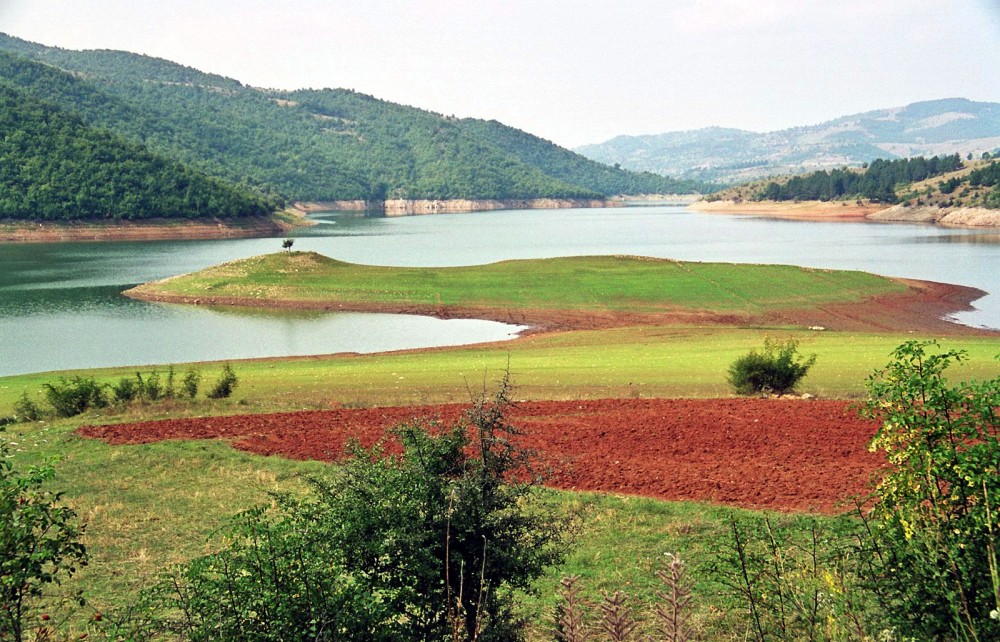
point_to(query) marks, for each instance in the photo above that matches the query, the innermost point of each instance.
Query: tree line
(876, 183)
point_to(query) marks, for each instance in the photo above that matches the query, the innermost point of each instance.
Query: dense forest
(876, 183)
(55, 167)
(309, 145)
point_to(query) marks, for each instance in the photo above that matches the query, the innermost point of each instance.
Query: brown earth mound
(756, 453)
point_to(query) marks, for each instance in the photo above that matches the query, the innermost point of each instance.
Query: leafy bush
(189, 384)
(777, 369)
(149, 389)
(26, 410)
(125, 391)
(75, 396)
(934, 524)
(39, 543)
(223, 388)
(278, 580)
(426, 545)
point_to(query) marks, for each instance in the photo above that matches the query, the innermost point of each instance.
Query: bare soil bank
(405, 207)
(147, 230)
(783, 454)
(969, 217)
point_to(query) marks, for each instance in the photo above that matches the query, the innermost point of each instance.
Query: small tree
(934, 524)
(223, 388)
(287, 244)
(426, 545)
(189, 384)
(39, 543)
(777, 369)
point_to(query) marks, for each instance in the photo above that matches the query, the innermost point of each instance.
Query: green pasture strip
(646, 361)
(150, 506)
(613, 283)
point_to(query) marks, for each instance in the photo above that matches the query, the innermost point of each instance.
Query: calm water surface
(60, 305)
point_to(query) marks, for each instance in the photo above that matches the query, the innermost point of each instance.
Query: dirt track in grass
(782, 454)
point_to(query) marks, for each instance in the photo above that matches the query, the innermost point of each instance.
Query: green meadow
(150, 506)
(615, 283)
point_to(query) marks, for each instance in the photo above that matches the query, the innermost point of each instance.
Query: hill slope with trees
(309, 145)
(54, 167)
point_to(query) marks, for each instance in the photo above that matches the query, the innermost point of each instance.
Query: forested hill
(562, 164)
(54, 167)
(314, 145)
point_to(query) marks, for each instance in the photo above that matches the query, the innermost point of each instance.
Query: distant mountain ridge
(929, 128)
(308, 145)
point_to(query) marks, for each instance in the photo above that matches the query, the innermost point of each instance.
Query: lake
(60, 306)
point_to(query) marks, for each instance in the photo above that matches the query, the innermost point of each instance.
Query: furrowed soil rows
(782, 454)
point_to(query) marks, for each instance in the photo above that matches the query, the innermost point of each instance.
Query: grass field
(625, 284)
(650, 361)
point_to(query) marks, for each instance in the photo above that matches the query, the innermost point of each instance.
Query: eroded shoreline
(923, 307)
(846, 212)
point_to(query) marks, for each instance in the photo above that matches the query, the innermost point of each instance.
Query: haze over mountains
(304, 145)
(722, 155)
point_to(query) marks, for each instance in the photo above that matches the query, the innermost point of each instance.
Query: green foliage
(279, 579)
(189, 384)
(776, 369)
(125, 391)
(877, 183)
(39, 544)
(223, 388)
(934, 524)
(74, 396)
(798, 578)
(25, 409)
(425, 545)
(55, 167)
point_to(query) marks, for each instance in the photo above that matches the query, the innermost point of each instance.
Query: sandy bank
(414, 207)
(968, 217)
(147, 230)
(948, 217)
(802, 210)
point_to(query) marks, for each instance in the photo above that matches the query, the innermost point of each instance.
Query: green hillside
(565, 165)
(55, 167)
(310, 144)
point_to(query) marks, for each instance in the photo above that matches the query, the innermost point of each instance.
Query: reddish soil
(782, 454)
(924, 306)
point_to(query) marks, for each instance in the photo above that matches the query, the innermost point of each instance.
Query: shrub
(189, 384)
(75, 396)
(934, 524)
(39, 543)
(223, 388)
(426, 545)
(26, 410)
(125, 391)
(777, 369)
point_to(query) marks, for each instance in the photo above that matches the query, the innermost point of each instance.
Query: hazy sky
(574, 72)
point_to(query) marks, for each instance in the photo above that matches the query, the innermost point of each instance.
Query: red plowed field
(760, 453)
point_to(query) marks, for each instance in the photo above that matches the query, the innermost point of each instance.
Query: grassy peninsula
(524, 289)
